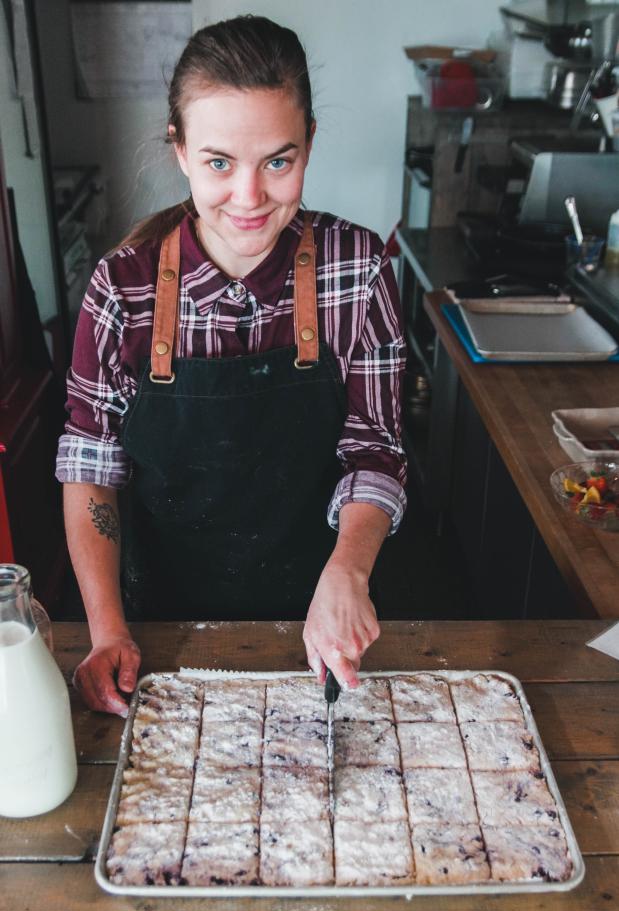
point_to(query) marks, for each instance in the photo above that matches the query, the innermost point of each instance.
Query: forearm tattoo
(105, 520)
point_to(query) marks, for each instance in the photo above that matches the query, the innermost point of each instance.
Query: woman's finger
(344, 670)
(130, 659)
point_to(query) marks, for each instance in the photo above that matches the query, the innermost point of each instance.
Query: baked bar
(146, 854)
(296, 853)
(170, 744)
(295, 743)
(294, 794)
(168, 697)
(499, 745)
(486, 697)
(233, 700)
(149, 797)
(296, 699)
(370, 701)
(221, 854)
(377, 855)
(366, 743)
(369, 794)
(231, 744)
(421, 697)
(528, 852)
(449, 854)
(429, 745)
(225, 794)
(436, 796)
(513, 798)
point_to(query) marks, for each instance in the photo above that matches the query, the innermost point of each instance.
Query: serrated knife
(332, 691)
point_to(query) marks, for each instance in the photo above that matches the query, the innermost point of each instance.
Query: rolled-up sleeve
(98, 392)
(370, 447)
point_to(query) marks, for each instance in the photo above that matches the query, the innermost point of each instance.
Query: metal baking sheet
(410, 890)
(572, 336)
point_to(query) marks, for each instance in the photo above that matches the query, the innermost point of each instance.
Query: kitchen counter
(514, 402)
(46, 862)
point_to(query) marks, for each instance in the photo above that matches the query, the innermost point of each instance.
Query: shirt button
(238, 291)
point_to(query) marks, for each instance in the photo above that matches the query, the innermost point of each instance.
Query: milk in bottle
(38, 768)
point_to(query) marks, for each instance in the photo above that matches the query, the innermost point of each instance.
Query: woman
(236, 378)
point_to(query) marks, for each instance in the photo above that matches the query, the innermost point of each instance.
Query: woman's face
(245, 155)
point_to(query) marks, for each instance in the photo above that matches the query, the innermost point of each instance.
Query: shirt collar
(206, 283)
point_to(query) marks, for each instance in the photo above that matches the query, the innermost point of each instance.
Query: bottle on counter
(38, 767)
(611, 259)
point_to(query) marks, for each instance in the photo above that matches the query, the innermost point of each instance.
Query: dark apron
(234, 467)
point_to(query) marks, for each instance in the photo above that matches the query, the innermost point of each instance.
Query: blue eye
(219, 164)
(278, 164)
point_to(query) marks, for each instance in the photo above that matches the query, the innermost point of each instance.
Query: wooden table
(515, 402)
(46, 862)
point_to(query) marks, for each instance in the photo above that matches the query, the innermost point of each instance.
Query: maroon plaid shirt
(359, 318)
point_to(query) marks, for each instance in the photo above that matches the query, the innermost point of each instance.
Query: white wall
(360, 76)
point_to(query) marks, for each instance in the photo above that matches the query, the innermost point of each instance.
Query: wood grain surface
(46, 861)
(515, 403)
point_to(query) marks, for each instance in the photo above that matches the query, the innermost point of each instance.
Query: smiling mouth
(249, 224)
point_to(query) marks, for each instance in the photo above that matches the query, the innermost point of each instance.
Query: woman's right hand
(108, 671)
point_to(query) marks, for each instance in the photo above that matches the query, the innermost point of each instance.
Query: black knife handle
(332, 687)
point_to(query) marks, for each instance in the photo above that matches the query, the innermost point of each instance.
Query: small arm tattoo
(105, 520)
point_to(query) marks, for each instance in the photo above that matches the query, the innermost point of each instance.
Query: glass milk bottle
(38, 768)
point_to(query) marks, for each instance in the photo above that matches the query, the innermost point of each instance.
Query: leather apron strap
(166, 309)
(166, 304)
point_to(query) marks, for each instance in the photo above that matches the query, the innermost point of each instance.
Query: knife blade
(332, 692)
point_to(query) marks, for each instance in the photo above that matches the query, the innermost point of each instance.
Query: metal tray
(409, 891)
(572, 336)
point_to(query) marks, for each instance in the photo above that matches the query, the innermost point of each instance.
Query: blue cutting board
(454, 318)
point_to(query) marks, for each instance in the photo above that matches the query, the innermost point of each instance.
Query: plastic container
(460, 85)
(611, 259)
(583, 433)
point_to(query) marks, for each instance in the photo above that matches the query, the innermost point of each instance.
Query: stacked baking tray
(419, 766)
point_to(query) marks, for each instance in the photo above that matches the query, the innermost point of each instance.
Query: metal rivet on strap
(307, 334)
(303, 259)
(162, 347)
(168, 275)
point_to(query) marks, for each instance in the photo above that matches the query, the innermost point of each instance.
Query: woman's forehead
(239, 116)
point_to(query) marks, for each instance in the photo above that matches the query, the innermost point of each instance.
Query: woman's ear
(180, 150)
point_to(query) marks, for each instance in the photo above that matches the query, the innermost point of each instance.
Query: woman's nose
(248, 192)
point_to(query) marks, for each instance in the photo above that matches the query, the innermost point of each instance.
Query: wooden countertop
(46, 861)
(515, 402)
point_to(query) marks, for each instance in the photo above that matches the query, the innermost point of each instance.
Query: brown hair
(248, 52)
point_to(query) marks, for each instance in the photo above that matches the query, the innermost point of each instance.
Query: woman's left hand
(341, 624)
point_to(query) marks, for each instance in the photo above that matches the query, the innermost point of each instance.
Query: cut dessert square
(528, 852)
(439, 796)
(370, 701)
(294, 794)
(168, 697)
(296, 853)
(225, 794)
(513, 798)
(377, 855)
(148, 854)
(221, 854)
(296, 699)
(421, 697)
(486, 697)
(150, 797)
(431, 745)
(295, 743)
(368, 794)
(233, 700)
(366, 743)
(168, 744)
(499, 745)
(449, 854)
(232, 744)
